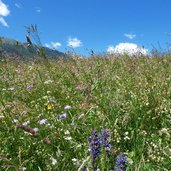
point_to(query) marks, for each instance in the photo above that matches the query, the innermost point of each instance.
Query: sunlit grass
(48, 112)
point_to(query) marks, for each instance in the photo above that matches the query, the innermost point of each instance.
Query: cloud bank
(74, 42)
(53, 45)
(4, 11)
(130, 49)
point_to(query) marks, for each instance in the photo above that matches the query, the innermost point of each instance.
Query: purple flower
(121, 162)
(43, 121)
(63, 116)
(94, 146)
(96, 141)
(30, 86)
(105, 139)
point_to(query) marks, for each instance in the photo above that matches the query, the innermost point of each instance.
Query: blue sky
(89, 24)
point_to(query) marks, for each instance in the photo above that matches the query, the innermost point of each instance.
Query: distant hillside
(20, 50)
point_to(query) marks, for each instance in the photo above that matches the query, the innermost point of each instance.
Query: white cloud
(74, 42)
(130, 36)
(3, 22)
(18, 5)
(53, 45)
(127, 48)
(4, 11)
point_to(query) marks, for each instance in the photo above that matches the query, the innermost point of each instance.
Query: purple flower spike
(105, 139)
(94, 145)
(121, 162)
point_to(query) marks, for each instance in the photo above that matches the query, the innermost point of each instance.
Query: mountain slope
(18, 49)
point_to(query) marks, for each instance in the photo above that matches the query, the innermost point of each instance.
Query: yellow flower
(49, 105)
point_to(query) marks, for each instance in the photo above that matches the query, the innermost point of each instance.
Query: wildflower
(48, 82)
(54, 161)
(67, 107)
(43, 121)
(49, 105)
(30, 86)
(104, 138)
(68, 138)
(26, 123)
(74, 160)
(94, 148)
(63, 116)
(121, 162)
(66, 132)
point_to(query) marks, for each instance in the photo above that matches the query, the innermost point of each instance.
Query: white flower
(126, 133)
(48, 82)
(54, 161)
(26, 123)
(67, 107)
(68, 138)
(66, 132)
(74, 160)
(35, 130)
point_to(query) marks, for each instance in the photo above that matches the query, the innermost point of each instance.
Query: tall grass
(48, 112)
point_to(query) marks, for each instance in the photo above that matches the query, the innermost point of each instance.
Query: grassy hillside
(102, 113)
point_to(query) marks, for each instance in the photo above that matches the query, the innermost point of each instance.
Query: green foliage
(131, 97)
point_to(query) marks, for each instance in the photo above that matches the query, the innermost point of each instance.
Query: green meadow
(53, 114)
